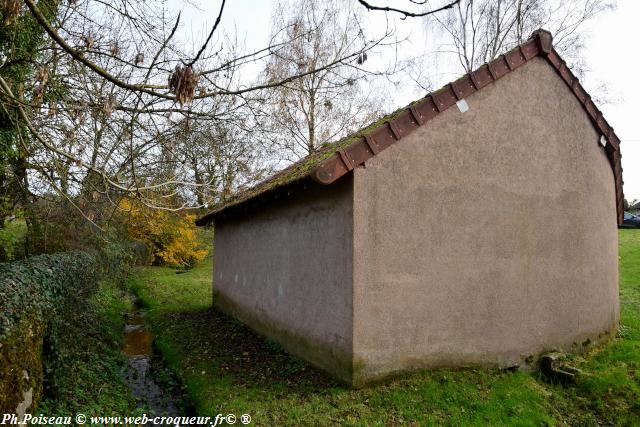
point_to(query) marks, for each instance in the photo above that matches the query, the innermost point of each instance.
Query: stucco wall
(285, 269)
(486, 237)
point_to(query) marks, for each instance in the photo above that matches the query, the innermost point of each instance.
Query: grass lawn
(228, 369)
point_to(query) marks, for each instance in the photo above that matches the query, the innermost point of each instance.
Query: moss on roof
(300, 169)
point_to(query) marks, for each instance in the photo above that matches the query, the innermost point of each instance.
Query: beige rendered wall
(487, 237)
(285, 269)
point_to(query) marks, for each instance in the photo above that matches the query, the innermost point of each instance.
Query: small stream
(138, 349)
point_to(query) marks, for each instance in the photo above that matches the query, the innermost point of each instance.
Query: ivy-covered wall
(36, 295)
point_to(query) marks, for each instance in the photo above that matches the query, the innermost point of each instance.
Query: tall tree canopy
(319, 107)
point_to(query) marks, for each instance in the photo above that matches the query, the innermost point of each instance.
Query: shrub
(12, 239)
(56, 226)
(170, 238)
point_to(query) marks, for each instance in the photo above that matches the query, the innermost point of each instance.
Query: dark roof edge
(391, 131)
(280, 192)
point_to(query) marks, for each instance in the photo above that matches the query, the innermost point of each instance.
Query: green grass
(160, 294)
(228, 369)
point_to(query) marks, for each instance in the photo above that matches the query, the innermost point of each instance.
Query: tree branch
(215, 26)
(37, 14)
(405, 13)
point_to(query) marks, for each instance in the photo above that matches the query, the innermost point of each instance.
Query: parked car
(630, 221)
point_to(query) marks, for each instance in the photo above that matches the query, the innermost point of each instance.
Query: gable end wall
(487, 237)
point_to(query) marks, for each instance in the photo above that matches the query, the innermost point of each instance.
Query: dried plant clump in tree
(109, 105)
(11, 10)
(38, 94)
(42, 75)
(114, 49)
(182, 83)
(53, 110)
(89, 41)
(120, 109)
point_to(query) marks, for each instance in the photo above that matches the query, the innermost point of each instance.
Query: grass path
(228, 369)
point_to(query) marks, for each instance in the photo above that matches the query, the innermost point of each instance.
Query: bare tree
(319, 107)
(480, 30)
(111, 85)
(219, 157)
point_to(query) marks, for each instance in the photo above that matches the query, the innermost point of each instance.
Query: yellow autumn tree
(170, 238)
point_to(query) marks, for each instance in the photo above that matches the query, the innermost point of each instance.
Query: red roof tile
(336, 160)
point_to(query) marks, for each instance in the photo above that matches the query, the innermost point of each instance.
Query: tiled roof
(335, 160)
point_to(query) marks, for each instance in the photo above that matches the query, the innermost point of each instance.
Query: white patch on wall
(603, 141)
(27, 399)
(462, 106)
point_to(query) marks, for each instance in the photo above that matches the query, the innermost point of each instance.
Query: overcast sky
(613, 39)
(610, 56)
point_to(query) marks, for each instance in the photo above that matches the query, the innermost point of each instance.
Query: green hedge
(35, 286)
(36, 294)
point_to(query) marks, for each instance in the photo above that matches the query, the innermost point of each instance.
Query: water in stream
(137, 373)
